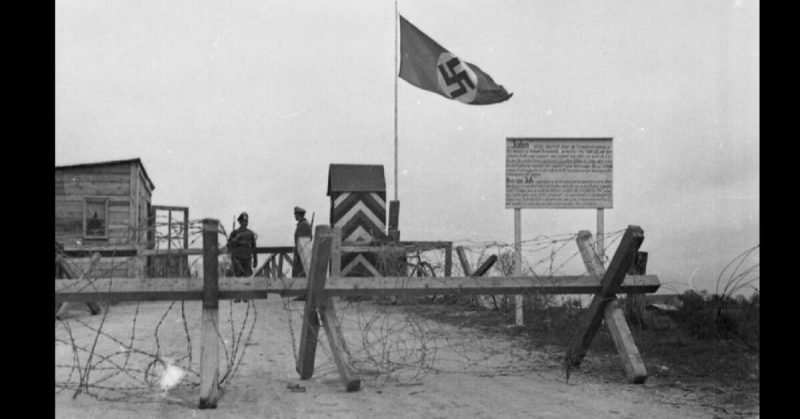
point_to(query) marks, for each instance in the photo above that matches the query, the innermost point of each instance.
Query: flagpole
(395, 100)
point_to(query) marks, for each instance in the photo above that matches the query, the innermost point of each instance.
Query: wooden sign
(559, 173)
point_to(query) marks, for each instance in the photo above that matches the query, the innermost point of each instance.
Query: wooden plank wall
(110, 182)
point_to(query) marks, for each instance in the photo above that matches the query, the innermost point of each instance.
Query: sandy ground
(469, 376)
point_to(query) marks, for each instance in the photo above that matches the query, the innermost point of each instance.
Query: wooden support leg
(316, 270)
(308, 342)
(94, 308)
(462, 257)
(349, 377)
(612, 278)
(209, 351)
(209, 360)
(62, 308)
(623, 340)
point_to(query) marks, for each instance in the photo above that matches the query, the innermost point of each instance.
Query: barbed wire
(398, 339)
(137, 367)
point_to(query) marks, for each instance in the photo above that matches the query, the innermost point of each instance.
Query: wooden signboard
(559, 173)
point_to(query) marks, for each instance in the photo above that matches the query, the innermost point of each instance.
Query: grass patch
(708, 345)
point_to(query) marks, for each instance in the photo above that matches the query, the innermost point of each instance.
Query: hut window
(95, 218)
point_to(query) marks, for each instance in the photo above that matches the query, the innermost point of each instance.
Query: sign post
(600, 242)
(557, 173)
(518, 300)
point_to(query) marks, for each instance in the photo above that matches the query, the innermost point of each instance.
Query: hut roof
(111, 163)
(356, 178)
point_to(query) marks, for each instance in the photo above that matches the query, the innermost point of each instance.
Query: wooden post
(169, 229)
(448, 260)
(462, 258)
(186, 228)
(336, 252)
(613, 315)
(394, 221)
(518, 262)
(316, 272)
(601, 249)
(209, 351)
(623, 258)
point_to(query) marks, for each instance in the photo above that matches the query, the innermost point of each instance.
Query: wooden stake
(613, 315)
(209, 351)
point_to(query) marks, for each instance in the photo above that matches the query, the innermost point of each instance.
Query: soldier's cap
(242, 216)
(298, 210)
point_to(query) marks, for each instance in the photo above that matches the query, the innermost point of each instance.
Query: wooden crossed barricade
(319, 288)
(64, 270)
(604, 304)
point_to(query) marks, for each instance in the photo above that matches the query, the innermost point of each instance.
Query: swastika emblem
(456, 80)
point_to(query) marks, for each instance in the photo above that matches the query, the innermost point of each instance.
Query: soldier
(241, 244)
(303, 229)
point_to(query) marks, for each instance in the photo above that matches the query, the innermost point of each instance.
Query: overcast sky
(242, 105)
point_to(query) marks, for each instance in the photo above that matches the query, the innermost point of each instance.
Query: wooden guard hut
(358, 207)
(104, 207)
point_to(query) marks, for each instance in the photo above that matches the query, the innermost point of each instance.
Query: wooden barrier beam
(209, 350)
(169, 289)
(104, 252)
(610, 285)
(403, 246)
(613, 315)
(317, 273)
(223, 250)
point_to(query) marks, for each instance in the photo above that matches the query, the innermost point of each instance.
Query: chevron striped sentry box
(358, 207)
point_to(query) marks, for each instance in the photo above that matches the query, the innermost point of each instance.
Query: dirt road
(469, 376)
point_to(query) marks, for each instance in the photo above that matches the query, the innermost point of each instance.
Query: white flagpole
(396, 75)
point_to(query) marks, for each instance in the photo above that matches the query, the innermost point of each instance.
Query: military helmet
(242, 217)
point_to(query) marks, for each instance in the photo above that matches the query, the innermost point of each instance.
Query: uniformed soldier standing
(303, 229)
(241, 244)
